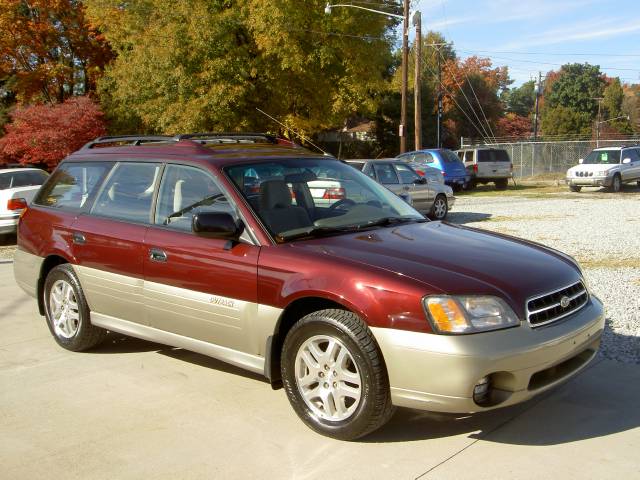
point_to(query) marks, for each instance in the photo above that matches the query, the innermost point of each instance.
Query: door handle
(78, 238)
(157, 255)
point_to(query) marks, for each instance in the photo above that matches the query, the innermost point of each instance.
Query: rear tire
(575, 188)
(502, 184)
(67, 312)
(334, 375)
(440, 208)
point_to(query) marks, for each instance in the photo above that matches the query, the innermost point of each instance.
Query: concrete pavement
(133, 409)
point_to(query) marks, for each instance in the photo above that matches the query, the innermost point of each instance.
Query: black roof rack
(129, 139)
(228, 137)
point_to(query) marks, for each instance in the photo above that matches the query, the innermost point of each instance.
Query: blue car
(455, 175)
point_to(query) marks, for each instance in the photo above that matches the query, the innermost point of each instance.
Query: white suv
(17, 188)
(606, 167)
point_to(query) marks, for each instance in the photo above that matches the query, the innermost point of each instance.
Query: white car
(606, 167)
(17, 187)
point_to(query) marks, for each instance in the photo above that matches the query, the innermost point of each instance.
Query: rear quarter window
(72, 184)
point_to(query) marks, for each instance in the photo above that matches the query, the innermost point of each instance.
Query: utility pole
(405, 77)
(535, 118)
(598, 122)
(417, 94)
(439, 117)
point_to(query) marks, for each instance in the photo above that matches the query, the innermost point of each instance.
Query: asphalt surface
(133, 409)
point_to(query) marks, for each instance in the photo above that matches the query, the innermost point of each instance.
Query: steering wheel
(341, 203)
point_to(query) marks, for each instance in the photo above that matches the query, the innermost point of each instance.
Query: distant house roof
(363, 126)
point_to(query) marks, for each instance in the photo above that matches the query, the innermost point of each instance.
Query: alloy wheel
(63, 307)
(328, 378)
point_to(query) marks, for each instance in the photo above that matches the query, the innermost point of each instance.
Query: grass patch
(610, 262)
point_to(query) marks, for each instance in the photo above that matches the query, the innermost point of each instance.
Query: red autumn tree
(513, 125)
(49, 49)
(45, 134)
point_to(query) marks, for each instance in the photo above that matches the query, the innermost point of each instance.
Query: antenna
(292, 130)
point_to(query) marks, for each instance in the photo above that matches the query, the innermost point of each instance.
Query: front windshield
(301, 197)
(603, 157)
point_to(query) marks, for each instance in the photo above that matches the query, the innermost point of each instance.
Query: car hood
(456, 260)
(593, 167)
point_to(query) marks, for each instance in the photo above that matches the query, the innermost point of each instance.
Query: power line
(545, 63)
(458, 105)
(476, 97)
(563, 54)
(468, 102)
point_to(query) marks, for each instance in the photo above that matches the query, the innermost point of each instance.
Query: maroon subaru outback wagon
(230, 246)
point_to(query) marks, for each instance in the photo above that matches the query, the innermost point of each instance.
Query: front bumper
(439, 372)
(589, 181)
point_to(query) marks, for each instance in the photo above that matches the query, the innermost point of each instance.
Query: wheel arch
(48, 264)
(292, 313)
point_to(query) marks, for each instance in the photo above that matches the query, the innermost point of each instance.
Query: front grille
(548, 308)
(584, 174)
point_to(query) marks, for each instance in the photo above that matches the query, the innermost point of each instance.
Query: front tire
(67, 312)
(616, 183)
(334, 375)
(440, 208)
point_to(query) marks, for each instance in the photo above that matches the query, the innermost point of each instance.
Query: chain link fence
(539, 158)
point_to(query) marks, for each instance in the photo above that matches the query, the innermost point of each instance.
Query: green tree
(576, 88)
(561, 120)
(207, 65)
(612, 105)
(520, 100)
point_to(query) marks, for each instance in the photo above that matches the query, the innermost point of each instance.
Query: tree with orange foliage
(514, 125)
(45, 134)
(49, 49)
(472, 96)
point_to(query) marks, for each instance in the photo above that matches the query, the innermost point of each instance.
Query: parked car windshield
(306, 197)
(603, 156)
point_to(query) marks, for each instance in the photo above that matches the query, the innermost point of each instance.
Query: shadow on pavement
(461, 218)
(600, 401)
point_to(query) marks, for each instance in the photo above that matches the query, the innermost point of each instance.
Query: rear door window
(186, 191)
(128, 193)
(468, 156)
(72, 185)
(28, 178)
(386, 173)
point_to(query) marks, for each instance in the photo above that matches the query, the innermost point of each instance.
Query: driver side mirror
(580, 160)
(217, 225)
(420, 181)
(626, 160)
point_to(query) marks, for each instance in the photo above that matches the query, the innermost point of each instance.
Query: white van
(486, 165)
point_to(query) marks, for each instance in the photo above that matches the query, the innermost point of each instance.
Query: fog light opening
(481, 391)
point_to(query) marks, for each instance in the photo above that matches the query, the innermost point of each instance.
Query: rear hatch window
(493, 156)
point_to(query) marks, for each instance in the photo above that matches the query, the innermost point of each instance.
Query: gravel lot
(602, 231)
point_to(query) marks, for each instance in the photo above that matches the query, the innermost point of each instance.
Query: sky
(530, 36)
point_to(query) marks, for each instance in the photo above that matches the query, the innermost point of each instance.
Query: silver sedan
(426, 193)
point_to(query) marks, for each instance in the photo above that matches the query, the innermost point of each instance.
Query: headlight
(468, 314)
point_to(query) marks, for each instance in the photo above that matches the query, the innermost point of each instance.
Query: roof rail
(130, 139)
(228, 137)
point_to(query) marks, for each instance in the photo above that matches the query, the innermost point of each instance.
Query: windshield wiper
(314, 231)
(385, 221)
(311, 232)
